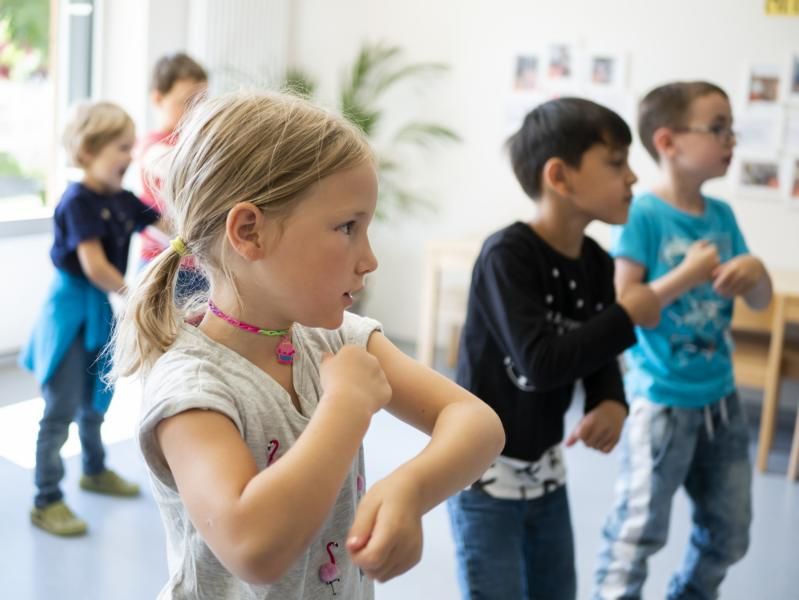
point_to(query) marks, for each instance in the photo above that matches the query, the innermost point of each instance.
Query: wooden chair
(752, 332)
(793, 463)
(763, 357)
(443, 256)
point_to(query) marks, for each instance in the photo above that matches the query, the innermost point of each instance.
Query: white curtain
(243, 43)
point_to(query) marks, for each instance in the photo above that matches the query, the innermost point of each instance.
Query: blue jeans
(513, 549)
(67, 397)
(663, 448)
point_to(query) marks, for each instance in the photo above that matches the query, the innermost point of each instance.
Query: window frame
(63, 50)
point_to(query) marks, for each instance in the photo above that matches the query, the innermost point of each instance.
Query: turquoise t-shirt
(686, 360)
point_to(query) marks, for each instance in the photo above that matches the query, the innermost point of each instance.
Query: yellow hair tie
(179, 246)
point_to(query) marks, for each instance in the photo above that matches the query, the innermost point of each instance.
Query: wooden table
(781, 360)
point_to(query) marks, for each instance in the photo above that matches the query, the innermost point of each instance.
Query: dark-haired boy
(542, 314)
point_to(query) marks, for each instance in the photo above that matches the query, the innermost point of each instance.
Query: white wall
(121, 30)
(131, 35)
(245, 47)
(680, 39)
(26, 271)
(472, 184)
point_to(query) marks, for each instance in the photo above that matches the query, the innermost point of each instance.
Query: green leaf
(394, 197)
(360, 115)
(425, 134)
(28, 22)
(408, 72)
(299, 83)
(386, 164)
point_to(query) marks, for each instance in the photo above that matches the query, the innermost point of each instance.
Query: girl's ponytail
(150, 320)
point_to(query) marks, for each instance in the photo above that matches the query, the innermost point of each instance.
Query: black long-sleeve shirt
(537, 321)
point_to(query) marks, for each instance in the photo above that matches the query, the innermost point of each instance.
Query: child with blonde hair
(94, 222)
(252, 422)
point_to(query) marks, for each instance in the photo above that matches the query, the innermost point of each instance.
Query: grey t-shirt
(198, 373)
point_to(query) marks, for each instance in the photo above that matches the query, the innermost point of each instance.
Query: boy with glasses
(686, 426)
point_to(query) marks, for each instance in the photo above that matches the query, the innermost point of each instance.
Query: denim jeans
(67, 397)
(663, 448)
(513, 549)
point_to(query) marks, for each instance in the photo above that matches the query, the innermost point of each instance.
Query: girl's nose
(369, 262)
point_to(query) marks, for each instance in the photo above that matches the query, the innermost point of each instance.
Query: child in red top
(177, 81)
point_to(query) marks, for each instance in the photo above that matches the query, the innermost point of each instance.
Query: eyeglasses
(722, 133)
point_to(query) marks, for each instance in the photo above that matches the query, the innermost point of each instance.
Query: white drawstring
(708, 422)
(725, 418)
(723, 408)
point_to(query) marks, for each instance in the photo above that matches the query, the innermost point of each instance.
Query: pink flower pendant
(285, 351)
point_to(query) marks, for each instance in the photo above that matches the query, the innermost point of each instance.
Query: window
(45, 65)
(26, 109)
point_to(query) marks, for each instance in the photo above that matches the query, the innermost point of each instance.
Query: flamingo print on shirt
(271, 451)
(328, 572)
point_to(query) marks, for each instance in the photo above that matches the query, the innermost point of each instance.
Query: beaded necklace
(284, 351)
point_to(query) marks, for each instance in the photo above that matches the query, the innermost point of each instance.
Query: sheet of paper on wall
(760, 131)
(792, 80)
(792, 169)
(792, 132)
(782, 7)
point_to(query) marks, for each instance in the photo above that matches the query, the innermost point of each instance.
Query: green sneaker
(108, 482)
(56, 518)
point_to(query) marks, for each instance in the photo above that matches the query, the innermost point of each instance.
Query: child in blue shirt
(94, 222)
(686, 426)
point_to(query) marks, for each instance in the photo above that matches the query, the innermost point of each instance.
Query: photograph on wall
(760, 175)
(763, 85)
(793, 181)
(793, 79)
(527, 76)
(605, 69)
(561, 64)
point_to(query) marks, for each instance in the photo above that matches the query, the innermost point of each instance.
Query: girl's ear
(555, 177)
(244, 230)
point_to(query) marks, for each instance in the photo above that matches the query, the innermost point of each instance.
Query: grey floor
(123, 556)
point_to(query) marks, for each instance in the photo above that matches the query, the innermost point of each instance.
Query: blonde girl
(252, 422)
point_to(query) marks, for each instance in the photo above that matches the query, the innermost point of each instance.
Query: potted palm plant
(377, 70)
